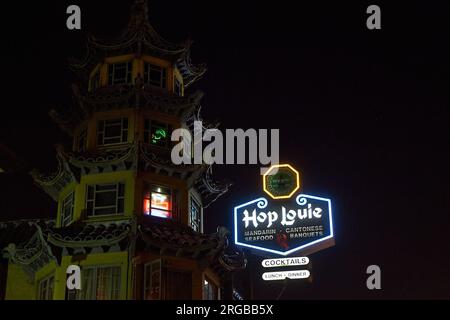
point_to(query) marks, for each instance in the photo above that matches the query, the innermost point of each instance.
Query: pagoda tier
(138, 96)
(139, 38)
(137, 157)
(34, 243)
(125, 209)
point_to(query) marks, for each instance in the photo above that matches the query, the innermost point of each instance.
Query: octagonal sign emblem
(281, 181)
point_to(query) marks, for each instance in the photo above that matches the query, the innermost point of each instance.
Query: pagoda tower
(130, 218)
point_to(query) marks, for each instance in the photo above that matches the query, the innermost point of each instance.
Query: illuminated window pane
(100, 283)
(157, 133)
(158, 202)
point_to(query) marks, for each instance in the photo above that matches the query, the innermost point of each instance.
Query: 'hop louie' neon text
(288, 217)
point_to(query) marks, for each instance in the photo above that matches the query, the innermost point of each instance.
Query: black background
(363, 114)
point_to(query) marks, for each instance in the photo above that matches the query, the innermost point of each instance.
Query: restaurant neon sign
(287, 224)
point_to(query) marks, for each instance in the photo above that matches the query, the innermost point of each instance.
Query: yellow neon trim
(297, 174)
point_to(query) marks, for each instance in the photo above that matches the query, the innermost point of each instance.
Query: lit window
(156, 133)
(95, 81)
(112, 131)
(152, 281)
(155, 75)
(105, 199)
(158, 202)
(46, 286)
(177, 87)
(119, 73)
(195, 215)
(67, 210)
(100, 283)
(210, 290)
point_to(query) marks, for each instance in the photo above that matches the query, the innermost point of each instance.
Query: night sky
(364, 115)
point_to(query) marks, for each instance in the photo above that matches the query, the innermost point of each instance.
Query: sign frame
(268, 174)
(303, 262)
(306, 249)
(304, 274)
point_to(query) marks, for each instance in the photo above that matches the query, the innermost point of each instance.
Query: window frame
(63, 217)
(46, 280)
(111, 70)
(177, 87)
(118, 198)
(124, 131)
(94, 285)
(208, 283)
(152, 67)
(193, 199)
(149, 124)
(147, 265)
(148, 187)
(81, 136)
(94, 81)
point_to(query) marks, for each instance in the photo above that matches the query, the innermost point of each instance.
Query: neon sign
(285, 262)
(285, 224)
(282, 184)
(159, 134)
(281, 275)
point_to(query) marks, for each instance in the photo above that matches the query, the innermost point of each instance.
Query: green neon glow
(159, 134)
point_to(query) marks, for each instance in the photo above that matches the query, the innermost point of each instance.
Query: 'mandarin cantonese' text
(288, 217)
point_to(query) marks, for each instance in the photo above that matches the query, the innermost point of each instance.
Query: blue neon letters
(283, 226)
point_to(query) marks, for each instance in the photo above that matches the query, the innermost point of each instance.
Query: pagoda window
(195, 215)
(152, 281)
(46, 286)
(67, 209)
(158, 201)
(81, 141)
(155, 76)
(119, 73)
(157, 133)
(100, 283)
(95, 81)
(210, 290)
(177, 87)
(105, 199)
(112, 131)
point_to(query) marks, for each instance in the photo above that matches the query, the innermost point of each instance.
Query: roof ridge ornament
(139, 14)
